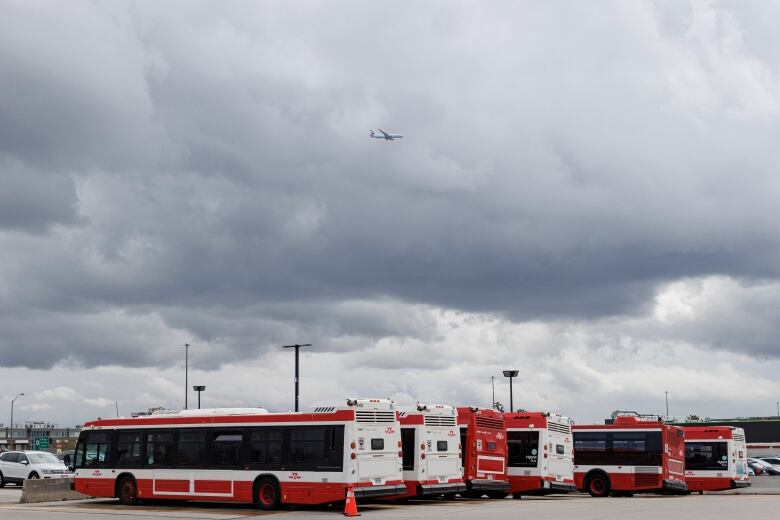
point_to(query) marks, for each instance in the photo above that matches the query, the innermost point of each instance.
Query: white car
(17, 466)
(774, 461)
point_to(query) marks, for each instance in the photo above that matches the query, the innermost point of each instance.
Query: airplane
(385, 135)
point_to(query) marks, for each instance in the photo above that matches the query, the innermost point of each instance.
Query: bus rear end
(540, 456)
(431, 451)
(715, 458)
(483, 438)
(674, 459)
(375, 449)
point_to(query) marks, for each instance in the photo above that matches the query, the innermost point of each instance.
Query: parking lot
(563, 507)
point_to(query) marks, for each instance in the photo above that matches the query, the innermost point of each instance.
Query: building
(39, 435)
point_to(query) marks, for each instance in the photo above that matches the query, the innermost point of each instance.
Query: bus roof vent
(439, 420)
(374, 416)
(558, 427)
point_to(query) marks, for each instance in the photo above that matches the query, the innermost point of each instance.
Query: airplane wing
(387, 136)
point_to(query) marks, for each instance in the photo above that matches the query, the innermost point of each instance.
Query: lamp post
(297, 348)
(666, 392)
(510, 374)
(11, 435)
(186, 372)
(199, 389)
(493, 382)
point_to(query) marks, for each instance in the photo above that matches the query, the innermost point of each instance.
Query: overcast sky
(588, 195)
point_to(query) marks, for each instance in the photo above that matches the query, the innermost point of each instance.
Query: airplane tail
(371, 133)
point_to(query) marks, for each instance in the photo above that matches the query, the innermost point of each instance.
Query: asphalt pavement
(576, 507)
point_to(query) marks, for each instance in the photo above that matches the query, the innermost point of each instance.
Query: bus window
(265, 448)
(191, 449)
(560, 449)
(523, 449)
(706, 456)
(441, 445)
(407, 443)
(97, 447)
(128, 450)
(159, 449)
(377, 444)
(226, 450)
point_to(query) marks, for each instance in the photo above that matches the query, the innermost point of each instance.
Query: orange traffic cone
(350, 506)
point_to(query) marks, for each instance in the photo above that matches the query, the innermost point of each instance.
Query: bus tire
(498, 495)
(267, 494)
(127, 490)
(597, 485)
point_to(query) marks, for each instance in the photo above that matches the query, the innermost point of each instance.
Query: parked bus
(244, 455)
(634, 454)
(431, 450)
(715, 458)
(540, 456)
(483, 439)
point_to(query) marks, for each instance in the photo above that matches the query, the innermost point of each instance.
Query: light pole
(186, 372)
(297, 348)
(493, 382)
(199, 389)
(666, 392)
(11, 436)
(510, 374)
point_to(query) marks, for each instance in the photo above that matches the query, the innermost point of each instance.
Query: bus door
(225, 459)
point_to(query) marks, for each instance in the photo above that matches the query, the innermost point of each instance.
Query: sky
(589, 196)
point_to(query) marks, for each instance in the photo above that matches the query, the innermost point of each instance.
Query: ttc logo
(451, 434)
(389, 430)
(499, 436)
(295, 475)
(96, 473)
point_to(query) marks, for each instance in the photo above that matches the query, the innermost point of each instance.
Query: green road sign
(41, 443)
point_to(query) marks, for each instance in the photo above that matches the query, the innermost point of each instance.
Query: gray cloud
(204, 174)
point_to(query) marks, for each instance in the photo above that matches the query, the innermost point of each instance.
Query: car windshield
(43, 458)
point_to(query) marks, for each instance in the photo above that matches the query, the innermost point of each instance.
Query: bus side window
(559, 449)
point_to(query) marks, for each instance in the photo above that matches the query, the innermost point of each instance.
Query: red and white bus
(540, 456)
(431, 446)
(634, 454)
(244, 455)
(715, 458)
(483, 439)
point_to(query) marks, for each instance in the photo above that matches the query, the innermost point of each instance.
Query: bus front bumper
(379, 491)
(488, 485)
(740, 483)
(675, 485)
(438, 489)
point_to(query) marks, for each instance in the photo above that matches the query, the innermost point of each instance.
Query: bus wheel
(267, 494)
(598, 486)
(127, 491)
(497, 494)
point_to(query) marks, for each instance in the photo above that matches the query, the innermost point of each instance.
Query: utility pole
(186, 373)
(493, 383)
(297, 348)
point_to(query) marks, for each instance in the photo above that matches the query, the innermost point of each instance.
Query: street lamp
(12, 416)
(199, 389)
(510, 374)
(296, 347)
(186, 372)
(493, 382)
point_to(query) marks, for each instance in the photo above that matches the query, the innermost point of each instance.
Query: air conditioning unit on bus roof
(213, 411)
